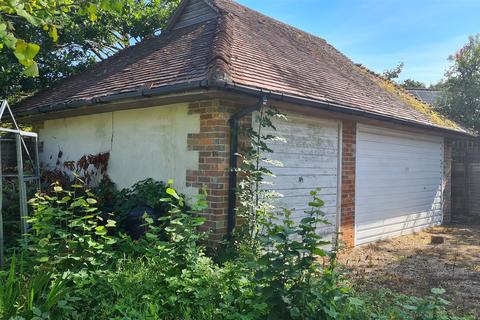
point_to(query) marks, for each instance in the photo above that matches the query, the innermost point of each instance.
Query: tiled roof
(243, 47)
(157, 61)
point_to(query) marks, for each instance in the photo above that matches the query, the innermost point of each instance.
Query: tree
(461, 88)
(412, 84)
(48, 15)
(392, 74)
(80, 42)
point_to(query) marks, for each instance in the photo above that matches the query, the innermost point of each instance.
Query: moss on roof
(416, 104)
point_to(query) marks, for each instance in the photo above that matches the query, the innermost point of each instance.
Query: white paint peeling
(143, 143)
(310, 158)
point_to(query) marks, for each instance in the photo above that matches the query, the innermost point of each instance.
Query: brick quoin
(349, 140)
(212, 144)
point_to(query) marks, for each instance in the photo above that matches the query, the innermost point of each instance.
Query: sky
(382, 33)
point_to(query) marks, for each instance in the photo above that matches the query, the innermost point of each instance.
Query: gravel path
(413, 265)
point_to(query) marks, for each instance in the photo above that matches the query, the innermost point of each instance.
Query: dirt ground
(413, 265)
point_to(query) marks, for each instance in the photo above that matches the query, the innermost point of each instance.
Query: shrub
(11, 210)
(67, 228)
(129, 204)
(78, 266)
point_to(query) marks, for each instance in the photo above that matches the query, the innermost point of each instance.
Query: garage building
(167, 107)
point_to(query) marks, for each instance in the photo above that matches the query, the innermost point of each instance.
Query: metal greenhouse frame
(21, 146)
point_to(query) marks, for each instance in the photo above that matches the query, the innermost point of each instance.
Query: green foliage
(47, 15)
(288, 275)
(77, 263)
(11, 210)
(67, 228)
(412, 84)
(147, 192)
(78, 266)
(394, 73)
(34, 297)
(80, 37)
(461, 88)
(385, 305)
(256, 201)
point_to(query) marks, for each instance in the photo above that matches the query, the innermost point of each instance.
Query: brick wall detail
(349, 140)
(213, 146)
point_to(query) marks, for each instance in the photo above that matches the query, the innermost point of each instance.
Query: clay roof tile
(243, 47)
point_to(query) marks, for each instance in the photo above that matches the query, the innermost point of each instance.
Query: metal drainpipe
(234, 122)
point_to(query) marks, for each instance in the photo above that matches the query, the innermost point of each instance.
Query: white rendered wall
(143, 143)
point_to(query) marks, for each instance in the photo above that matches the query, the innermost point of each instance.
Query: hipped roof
(231, 45)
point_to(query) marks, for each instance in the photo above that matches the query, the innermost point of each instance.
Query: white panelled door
(309, 156)
(399, 183)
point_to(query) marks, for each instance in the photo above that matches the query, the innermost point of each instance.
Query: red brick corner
(347, 218)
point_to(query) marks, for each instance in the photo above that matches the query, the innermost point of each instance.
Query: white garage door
(398, 183)
(310, 161)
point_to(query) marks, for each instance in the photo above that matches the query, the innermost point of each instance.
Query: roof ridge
(423, 89)
(221, 7)
(219, 66)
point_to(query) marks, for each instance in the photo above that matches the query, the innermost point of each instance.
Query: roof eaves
(142, 92)
(329, 106)
(208, 84)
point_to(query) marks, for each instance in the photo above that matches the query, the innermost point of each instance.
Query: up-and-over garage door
(399, 179)
(309, 156)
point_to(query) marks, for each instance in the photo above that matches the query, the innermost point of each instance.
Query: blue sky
(380, 34)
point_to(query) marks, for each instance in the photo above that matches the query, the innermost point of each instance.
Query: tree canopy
(54, 39)
(48, 15)
(394, 73)
(461, 88)
(412, 84)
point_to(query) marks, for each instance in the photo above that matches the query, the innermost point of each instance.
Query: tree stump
(437, 240)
